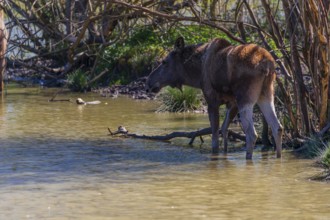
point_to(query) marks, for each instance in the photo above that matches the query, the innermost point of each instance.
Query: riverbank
(28, 77)
(135, 90)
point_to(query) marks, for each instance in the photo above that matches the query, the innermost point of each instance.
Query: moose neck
(192, 75)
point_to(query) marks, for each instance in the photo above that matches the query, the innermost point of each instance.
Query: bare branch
(179, 18)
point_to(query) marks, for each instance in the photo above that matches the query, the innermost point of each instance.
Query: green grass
(324, 157)
(78, 81)
(324, 161)
(311, 148)
(174, 100)
(317, 149)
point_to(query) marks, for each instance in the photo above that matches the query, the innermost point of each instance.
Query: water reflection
(57, 162)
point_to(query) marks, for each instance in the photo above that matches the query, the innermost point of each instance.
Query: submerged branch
(177, 134)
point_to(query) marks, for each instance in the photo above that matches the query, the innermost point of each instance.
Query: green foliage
(137, 55)
(311, 148)
(315, 147)
(323, 160)
(174, 100)
(78, 81)
(195, 34)
(133, 57)
(273, 46)
(325, 157)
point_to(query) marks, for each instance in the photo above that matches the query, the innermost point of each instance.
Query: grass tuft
(324, 157)
(323, 160)
(174, 100)
(78, 81)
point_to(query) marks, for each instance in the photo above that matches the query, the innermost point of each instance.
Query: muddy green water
(57, 162)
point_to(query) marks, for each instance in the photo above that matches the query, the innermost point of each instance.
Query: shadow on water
(51, 160)
(49, 142)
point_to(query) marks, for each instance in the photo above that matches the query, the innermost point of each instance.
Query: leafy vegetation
(174, 100)
(313, 148)
(77, 81)
(131, 58)
(325, 158)
(317, 148)
(140, 52)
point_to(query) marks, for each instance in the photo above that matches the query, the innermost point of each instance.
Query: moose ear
(179, 44)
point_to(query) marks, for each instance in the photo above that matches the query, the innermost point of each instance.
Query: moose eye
(164, 62)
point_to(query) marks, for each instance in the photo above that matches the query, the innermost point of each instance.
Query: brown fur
(240, 76)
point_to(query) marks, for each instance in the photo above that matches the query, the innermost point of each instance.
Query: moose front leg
(213, 111)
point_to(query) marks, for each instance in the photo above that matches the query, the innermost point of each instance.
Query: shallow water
(57, 162)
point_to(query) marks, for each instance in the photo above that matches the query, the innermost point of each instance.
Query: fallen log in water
(177, 134)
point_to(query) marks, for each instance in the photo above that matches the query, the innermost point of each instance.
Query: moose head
(169, 72)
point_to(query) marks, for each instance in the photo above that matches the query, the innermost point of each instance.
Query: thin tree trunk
(3, 48)
(69, 13)
(324, 56)
(292, 23)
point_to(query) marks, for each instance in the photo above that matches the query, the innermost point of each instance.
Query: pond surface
(57, 162)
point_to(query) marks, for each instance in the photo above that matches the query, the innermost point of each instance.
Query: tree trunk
(323, 45)
(3, 47)
(293, 23)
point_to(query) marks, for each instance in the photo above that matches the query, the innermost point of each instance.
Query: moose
(239, 76)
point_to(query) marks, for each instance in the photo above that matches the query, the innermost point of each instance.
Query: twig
(58, 100)
(110, 131)
(177, 18)
(98, 76)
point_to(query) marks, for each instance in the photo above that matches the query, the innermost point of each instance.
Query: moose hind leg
(268, 110)
(246, 117)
